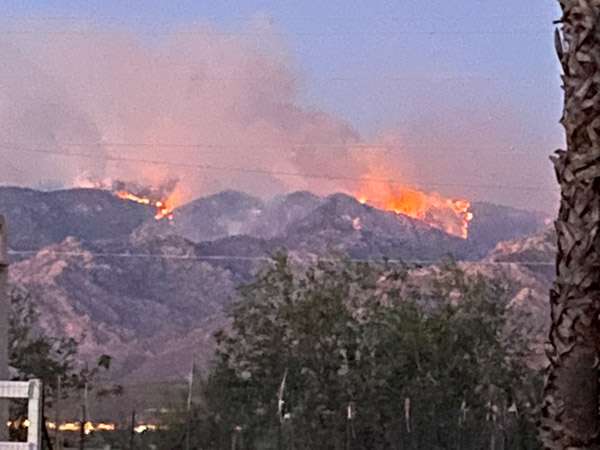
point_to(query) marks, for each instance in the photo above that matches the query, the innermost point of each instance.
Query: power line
(201, 258)
(215, 33)
(380, 15)
(142, 255)
(396, 78)
(386, 149)
(348, 145)
(261, 171)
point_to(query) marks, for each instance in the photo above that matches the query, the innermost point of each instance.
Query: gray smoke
(82, 104)
(86, 104)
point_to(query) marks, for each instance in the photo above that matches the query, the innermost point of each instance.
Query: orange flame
(451, 216)
(134, 198)
(164, 208)
(75, 426)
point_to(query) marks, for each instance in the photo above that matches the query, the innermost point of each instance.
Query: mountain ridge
(151, 296)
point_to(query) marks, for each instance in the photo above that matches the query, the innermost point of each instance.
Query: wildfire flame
(451, 216)
(163, 208)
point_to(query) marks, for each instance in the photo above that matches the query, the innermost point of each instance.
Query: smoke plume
(83, 104)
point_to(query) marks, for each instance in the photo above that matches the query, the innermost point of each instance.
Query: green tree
(350, 355)
(33, 354)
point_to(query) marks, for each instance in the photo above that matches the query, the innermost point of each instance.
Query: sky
(458, 96)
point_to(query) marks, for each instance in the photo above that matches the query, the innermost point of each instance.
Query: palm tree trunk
(570, 411)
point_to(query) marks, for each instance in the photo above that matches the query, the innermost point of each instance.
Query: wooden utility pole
(57, 417)
(188, 430)
(82, 428)
(83, 417)
(4, 374)
(132, 431)
(571, 404)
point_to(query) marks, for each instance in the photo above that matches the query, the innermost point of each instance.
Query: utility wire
(261, 171)
(201, 258)
(380, 15)
(296, 147)
(194, 76)
(460, 33)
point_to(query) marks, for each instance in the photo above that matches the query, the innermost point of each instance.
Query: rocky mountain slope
(36, 218)
(128, 307)
(494, 223)
(152, 292)
(337, 223)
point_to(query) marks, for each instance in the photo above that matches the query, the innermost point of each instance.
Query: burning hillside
(451, 216)
(164, 199)
(162, 208)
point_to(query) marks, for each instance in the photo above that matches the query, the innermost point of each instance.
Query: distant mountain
(343, 225)
(337, 223)
(494, 223)
(537, 252)
(36, 218)
(333, 226)
(536, 248)
(128, 307)
(527, 264)
(151, 292)
(281, 212)
(206, 219)
(232, 213)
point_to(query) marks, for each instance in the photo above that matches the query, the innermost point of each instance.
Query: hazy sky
(467, 91)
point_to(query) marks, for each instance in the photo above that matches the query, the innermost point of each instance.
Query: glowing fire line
(162, 208)
(451, 216)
